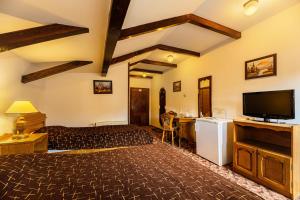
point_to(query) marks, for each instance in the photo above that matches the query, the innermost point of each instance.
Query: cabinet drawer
(275, 170)
(245, 159)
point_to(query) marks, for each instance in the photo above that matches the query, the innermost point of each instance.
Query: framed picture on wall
(102, 87)
(261, 67)
(177, 86)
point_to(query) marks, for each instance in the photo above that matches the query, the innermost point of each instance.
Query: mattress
(65, 138)
(155, 171)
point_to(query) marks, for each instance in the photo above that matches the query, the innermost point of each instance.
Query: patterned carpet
(225, 171)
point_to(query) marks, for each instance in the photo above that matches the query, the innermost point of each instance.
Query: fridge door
(207, 140)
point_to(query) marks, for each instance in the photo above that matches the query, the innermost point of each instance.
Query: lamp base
(19, 136)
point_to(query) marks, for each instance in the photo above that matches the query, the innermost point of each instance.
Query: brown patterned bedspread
(64, 138)
(155, 171)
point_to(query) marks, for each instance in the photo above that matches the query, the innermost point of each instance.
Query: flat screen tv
(270, 105)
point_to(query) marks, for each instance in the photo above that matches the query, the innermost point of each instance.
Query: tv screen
(269, 105)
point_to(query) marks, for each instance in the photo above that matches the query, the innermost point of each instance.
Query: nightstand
(34, 143)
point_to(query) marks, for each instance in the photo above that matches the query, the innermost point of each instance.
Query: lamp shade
(250, 7)
(21, 107)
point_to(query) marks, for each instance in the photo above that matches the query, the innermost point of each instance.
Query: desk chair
(167, 119)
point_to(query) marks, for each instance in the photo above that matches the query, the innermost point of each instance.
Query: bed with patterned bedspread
(156, 171)
(65, 138)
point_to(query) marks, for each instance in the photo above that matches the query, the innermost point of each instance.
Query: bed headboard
(34, 121)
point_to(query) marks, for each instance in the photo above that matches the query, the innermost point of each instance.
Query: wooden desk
(186, 128)
(34, 143)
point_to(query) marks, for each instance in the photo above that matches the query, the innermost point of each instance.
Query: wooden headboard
(34, 121)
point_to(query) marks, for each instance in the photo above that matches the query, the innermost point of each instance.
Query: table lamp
(21, 107)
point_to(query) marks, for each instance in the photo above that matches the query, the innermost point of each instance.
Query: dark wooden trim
(152, 48)
(274, 56)
(117, 16)
(153, 26)
(146, 71)
(53, 70)
(152, 62)
(128, 90)
(175, 21)
(36, 35)
(138, 76)
(210, 93)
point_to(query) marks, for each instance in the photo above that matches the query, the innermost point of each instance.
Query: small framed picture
(177, 86)
(261, 67)
(102, 87)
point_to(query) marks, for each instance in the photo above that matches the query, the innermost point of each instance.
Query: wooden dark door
(162, 104)
(139, 106)
(204, 96)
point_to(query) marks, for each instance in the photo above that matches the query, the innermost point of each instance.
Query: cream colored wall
(278, 34)
(12, 68)
(143, 83)
(69, 99)
(140, 83)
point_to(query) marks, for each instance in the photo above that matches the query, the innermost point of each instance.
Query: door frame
(149, 106)
(210, 92)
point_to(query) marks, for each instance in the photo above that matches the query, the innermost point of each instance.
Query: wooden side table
(186, 128)
(34, 143)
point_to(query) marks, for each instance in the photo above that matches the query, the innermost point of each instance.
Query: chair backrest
(167, 120)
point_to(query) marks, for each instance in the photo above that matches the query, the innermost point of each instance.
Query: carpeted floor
(225, 171)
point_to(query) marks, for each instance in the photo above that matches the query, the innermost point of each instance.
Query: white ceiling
(21, 14)
(93, 14)
(187, 36)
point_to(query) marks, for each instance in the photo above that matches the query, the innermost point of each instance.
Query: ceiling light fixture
(250, 7)
(144, 75)
(170, 58)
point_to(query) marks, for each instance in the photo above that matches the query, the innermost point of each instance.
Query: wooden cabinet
(245, 159)
(268, 154)
(275, 170)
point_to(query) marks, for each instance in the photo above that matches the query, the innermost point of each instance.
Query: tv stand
(269, 154)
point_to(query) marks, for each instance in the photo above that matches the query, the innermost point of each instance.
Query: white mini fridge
(214, 139)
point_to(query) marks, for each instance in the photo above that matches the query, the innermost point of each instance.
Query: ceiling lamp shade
(250, 7)
(21, 107)
(170, 58)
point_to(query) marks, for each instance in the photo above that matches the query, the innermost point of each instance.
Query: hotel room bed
(65, 138)
(156, 171)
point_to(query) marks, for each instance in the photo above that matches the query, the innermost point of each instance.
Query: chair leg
(163, 137)
(179, 141)
(172, 138)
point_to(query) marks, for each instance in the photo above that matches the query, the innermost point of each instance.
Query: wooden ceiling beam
(53, 70)
(175, 21)
(152, 48)
(131, 55)
(152, 62)
(138, 76)
(213, 26)
(177, 50)
(36, 35)
(146, 71)
(153, 26)
(117, 16)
